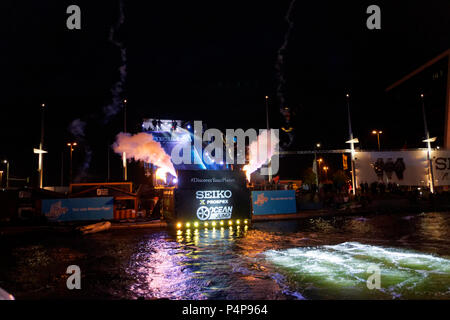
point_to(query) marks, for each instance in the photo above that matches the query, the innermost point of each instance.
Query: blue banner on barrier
(78, 209)
(273, 202)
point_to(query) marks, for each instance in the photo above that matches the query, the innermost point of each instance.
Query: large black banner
(212, 195)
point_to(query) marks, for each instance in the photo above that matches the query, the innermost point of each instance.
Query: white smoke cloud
(142, 147)
(77, 128)
(281, 56)
(116, 104)
(260, 151)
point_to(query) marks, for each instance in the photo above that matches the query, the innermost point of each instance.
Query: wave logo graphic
(261, 199)
(57, 210)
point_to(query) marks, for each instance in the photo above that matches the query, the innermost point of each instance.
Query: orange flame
(246, 169)
(161, 174)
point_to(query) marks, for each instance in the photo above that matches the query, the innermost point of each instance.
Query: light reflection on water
(232, 263)
(200, 264)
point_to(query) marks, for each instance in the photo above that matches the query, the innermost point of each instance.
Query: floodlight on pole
(269, 165)
(433, 139)
(41, 151)
(124, 155)
(378, 132)
(325, 168)
(319, 163)
(352, 142)
(317, 166)
(7, 172)
(71, 145)
(428, 141)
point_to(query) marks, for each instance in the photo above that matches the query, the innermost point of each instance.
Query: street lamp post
(428, 141)
(325, 168)
(7, 173)
(124, 155)
(41, 150)
(317, 168)
(41, 146)
(71, 145)
(319, 162)
(268, 137)
(378, 132)
(352, 142)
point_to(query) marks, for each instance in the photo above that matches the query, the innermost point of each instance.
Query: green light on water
(341, 271)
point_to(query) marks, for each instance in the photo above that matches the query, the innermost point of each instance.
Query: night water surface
(320, 258)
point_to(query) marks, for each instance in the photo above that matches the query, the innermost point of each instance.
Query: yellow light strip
(214, 223)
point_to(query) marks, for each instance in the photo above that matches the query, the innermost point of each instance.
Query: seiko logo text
(213, 194)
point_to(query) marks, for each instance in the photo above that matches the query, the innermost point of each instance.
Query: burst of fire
(161, 174)
(246, 169)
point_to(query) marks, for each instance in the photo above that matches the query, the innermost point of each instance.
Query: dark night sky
(208, 60)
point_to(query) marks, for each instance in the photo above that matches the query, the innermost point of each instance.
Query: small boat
(5, 295)
(94, 228)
